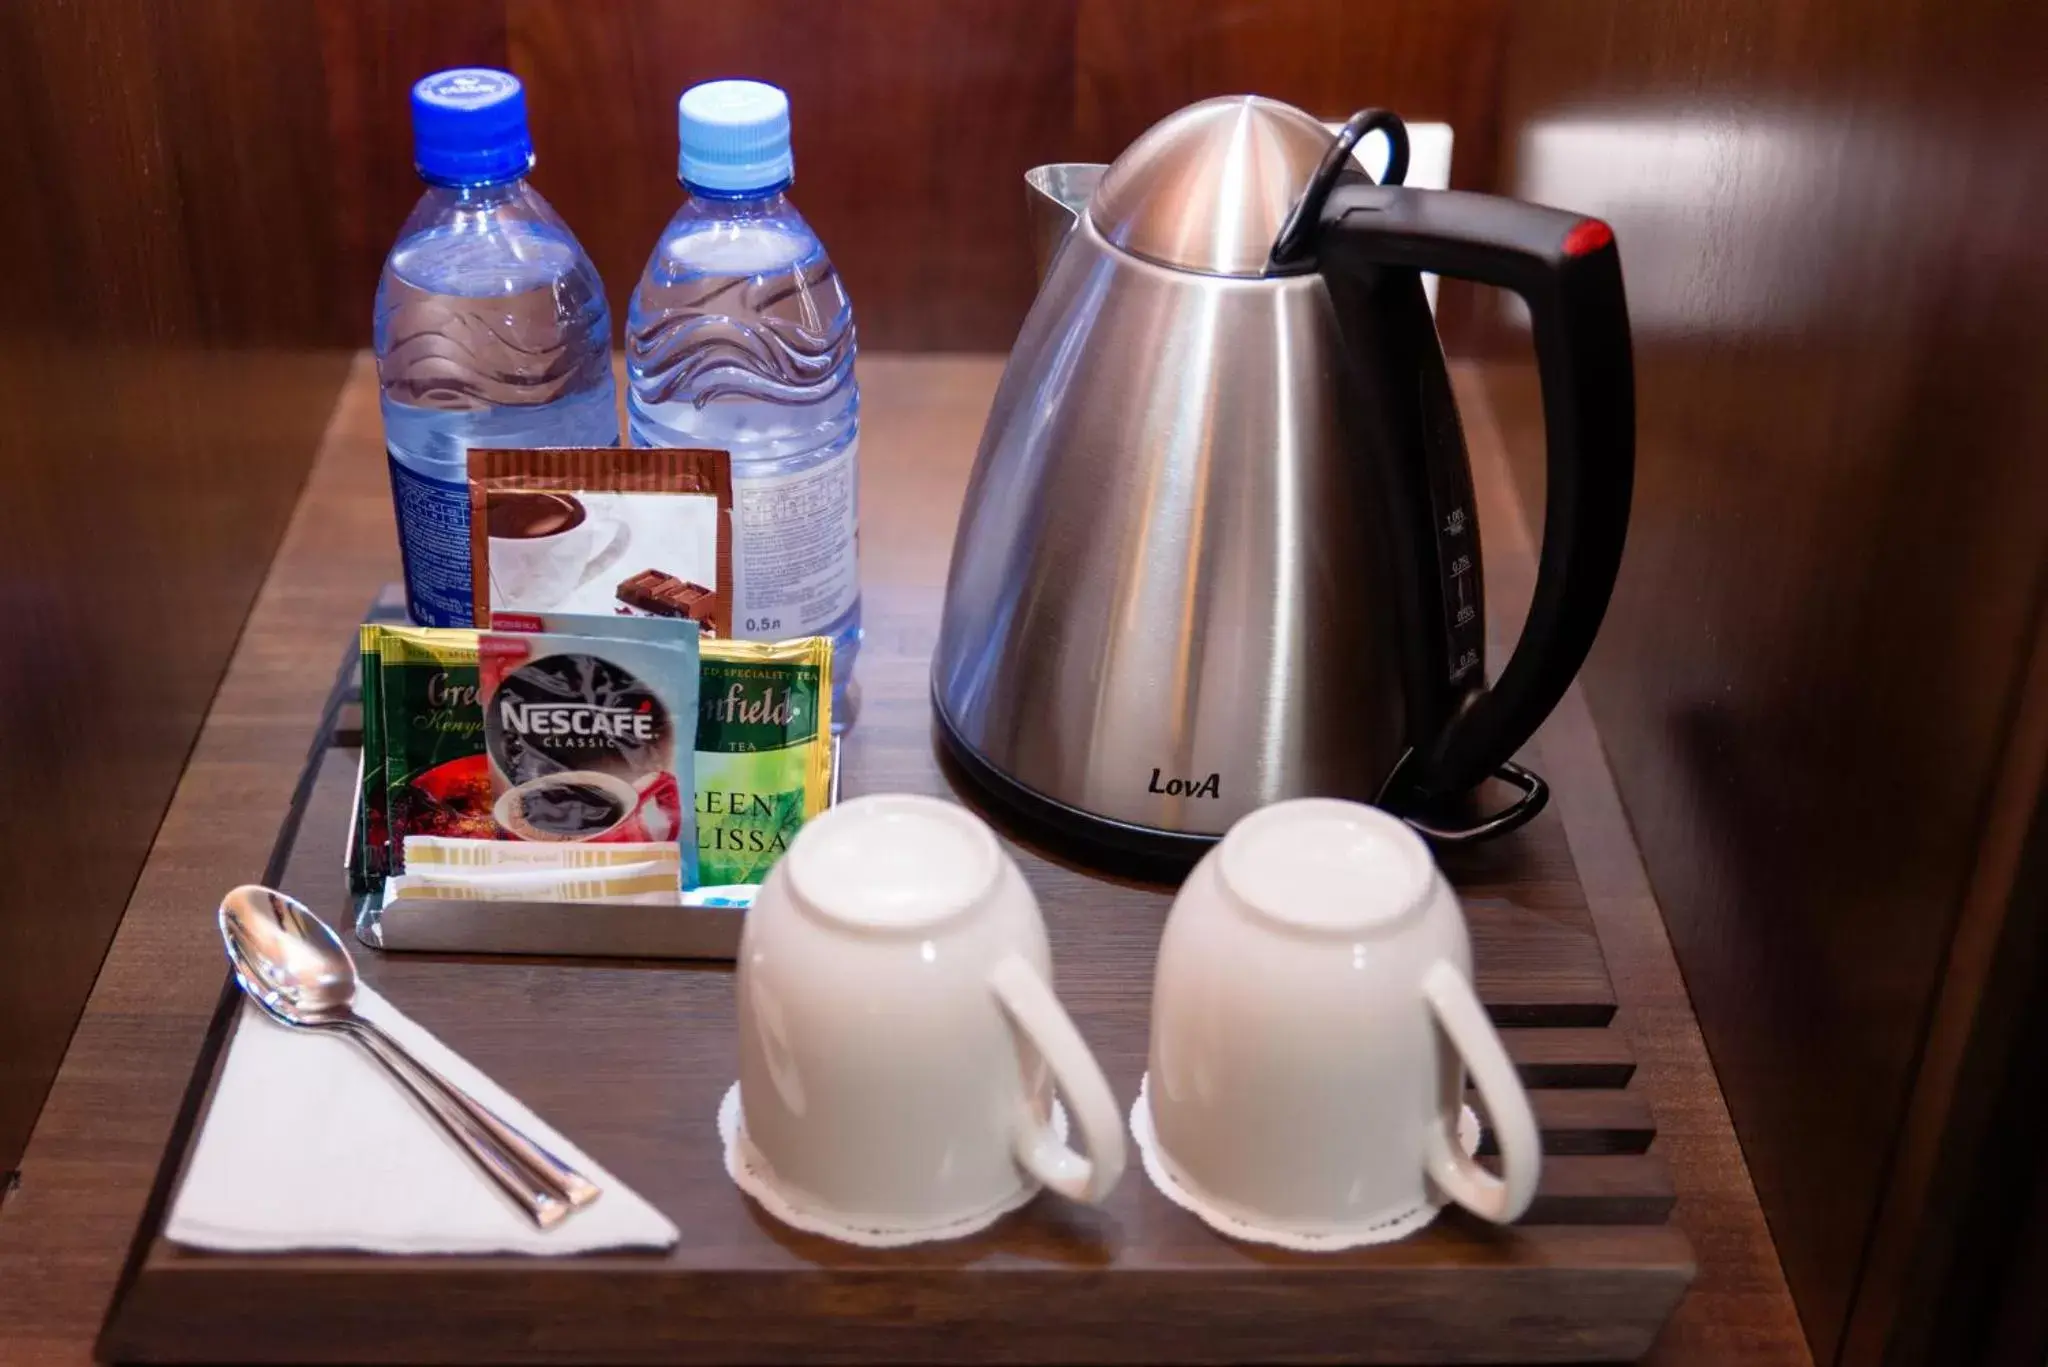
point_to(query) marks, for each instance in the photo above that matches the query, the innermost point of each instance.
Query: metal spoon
(293, 965)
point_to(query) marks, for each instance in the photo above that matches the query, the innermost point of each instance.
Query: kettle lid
(1209, 188)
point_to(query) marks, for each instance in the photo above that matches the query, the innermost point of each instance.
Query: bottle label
(796, 552)
(433, 540)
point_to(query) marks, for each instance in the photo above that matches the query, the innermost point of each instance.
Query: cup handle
(1037, 1015)
(1499, 1199)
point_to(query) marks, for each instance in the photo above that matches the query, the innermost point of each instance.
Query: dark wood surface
(162, 224)
(1816, 681)
(89, 1168)
(914, 120)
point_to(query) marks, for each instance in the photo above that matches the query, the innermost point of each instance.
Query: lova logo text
(1185, 787)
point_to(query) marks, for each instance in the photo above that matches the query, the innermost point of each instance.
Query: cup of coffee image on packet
(603, 531)
(591, 738)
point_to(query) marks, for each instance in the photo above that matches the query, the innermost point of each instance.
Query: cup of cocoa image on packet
(613, 531)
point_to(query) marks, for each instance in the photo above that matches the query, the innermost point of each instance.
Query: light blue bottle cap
(734, 136)
(469, 127)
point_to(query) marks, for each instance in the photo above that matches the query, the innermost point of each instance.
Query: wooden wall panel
(1139, 60)
(187, 183)
(915, 120)
(168, 261)
(913, 123)
(1830, 214)
(371, 52)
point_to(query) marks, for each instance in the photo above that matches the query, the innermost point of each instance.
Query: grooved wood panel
(1809, 681)
(914, 120)
(168, 255)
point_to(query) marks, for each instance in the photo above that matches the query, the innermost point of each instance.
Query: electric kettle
(1218, 548)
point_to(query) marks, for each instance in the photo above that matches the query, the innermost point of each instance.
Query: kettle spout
(1058, 197)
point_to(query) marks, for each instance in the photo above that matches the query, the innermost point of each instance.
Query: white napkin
(309, 1143)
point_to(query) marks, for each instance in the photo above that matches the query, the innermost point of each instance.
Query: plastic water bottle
(741, 338)
(491, 327)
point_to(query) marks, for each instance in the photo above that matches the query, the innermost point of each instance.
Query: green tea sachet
(372, 834)
(435, 777)
(764, 752)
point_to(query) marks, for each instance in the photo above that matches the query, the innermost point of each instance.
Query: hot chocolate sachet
(619, 531)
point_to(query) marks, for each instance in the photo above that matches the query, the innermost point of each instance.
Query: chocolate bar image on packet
(664, 595)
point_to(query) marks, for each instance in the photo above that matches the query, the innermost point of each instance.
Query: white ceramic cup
(1312, 1023)
(897, 1027)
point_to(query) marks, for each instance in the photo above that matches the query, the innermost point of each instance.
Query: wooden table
(90, 1163)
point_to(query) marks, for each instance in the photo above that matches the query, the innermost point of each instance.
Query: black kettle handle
(1566, 268)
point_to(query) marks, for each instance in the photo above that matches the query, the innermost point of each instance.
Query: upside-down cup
(900, 1043)
(1313, 1025)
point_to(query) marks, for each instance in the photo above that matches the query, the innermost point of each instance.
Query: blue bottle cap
(469, 127)
(734, 136)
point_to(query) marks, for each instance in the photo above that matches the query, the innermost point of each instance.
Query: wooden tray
(631, 1059)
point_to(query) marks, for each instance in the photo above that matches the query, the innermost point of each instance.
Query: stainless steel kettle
(1218, 548)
